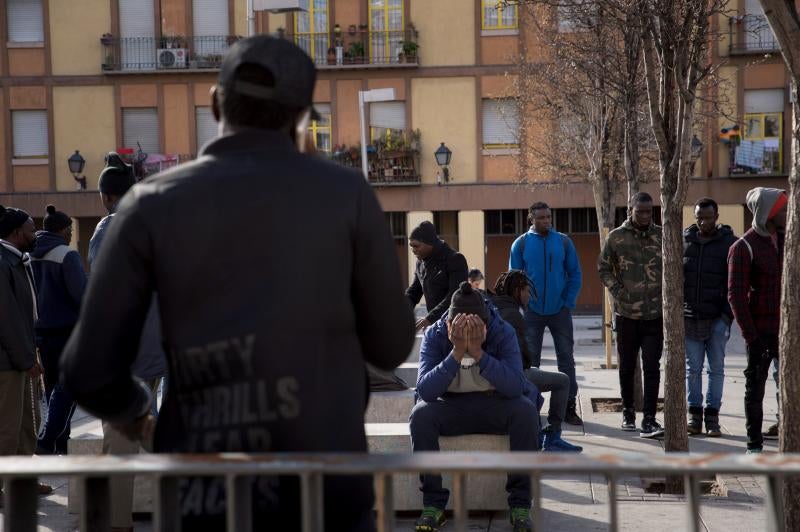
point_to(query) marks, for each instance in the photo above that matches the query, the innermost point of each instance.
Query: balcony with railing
(145, 54)
(360, 48)
(392, 161)
(751, 34)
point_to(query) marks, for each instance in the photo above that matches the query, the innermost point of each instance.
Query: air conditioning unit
(172, 57)
(278, 6)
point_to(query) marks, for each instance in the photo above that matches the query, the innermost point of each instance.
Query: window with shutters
(25, 21)
(760, 149)
(387, 121)
(30, 134)
(211, 27)
(137, 34)
(311, 29)
(500, 123)
(498, 16)
(206, 126)
(321, 129)
(140, 128)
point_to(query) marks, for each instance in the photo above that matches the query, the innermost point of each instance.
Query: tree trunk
(784, 20)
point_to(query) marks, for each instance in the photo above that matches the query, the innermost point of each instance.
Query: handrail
(20, 474)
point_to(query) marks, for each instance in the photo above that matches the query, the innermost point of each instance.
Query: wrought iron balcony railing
(751, 34)
(359, 48)
(138, 54)
(386, 167)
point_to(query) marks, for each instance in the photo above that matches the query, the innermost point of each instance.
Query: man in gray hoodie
(755, 266)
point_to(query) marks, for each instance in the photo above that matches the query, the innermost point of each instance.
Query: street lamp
(375, 95)
(76, 163)
(443, 155)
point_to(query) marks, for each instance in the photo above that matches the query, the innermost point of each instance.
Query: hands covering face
(467, 332)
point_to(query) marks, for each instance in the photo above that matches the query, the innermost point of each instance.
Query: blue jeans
(560, 325)
(696, 353)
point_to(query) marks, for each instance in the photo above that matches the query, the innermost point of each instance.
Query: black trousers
(633, 335)
(475, 413)
(756, 375)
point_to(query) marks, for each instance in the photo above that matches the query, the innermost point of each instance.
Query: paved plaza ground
(579, 503)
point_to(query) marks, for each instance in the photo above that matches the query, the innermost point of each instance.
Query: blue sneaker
(555, 444)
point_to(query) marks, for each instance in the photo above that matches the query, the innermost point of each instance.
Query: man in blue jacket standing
(60, 282)
(550, 261)
(471, 382)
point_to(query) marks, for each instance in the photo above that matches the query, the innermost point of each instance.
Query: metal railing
(751, 34)
(138, 54)
(396, 167)
(20, 477)
(359, 48)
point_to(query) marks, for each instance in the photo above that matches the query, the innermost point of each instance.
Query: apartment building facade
(134, 75)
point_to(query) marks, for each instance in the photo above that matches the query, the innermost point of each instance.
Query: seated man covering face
(471, 382)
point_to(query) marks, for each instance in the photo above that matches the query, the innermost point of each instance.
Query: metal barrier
(751, 34)
(20, 479)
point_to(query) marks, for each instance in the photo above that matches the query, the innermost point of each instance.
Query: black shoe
(651, 428)
(629, 419)
(713, 430)
(695, 420)
(572, 416)
(771, 433)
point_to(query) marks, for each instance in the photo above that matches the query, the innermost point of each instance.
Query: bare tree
(676, 40)
(784, 18)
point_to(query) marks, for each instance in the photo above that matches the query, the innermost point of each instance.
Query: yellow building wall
(75, 30)
(413, 219)
(83, 119)
(471, 241)
(732, 215)
(176, 119)
(438, 46)
(444, 109)
(240, 17)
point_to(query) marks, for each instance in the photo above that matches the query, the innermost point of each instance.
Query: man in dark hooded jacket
(438, 273)
(265, 354)
(755, 266)
(706, 312)
(60, 283)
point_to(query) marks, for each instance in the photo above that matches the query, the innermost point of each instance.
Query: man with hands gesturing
(470, 381)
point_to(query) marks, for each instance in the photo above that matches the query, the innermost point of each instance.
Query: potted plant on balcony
(173, 41)
(410, 49)
(356, 52)
(351, 30)
(106, 39)
(331, 55)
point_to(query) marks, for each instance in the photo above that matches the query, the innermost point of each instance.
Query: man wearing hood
(439, 272)
(755, 266)
(707, 314)
(470, 381)
(60, 282)
(18, 362)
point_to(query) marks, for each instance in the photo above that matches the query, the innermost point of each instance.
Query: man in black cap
(18, 361)
(470, 381)
(115, 180)
(438, 273)
(60, 282)
(265, 354)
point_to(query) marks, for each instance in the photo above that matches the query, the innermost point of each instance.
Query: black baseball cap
(293, 70)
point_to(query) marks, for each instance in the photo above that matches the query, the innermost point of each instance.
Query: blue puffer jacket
(551, 262)
(502, 367)
(60, 281)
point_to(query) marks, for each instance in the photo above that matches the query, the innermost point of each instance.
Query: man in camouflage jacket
(630, 266)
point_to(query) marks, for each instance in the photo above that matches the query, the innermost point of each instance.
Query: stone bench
(389, 407)
(484, 491)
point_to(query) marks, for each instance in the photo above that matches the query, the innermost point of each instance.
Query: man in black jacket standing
(18, 313)
(265, 354)
(706, 311)
(438, 273)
